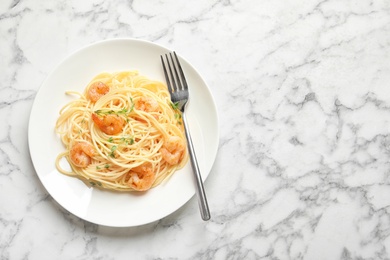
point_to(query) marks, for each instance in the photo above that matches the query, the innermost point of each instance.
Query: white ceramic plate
(105, 207)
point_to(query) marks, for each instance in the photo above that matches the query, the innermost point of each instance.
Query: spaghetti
(122, 133)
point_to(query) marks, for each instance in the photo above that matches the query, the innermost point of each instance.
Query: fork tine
(166, 75)
(174, 88)
(178, 81)
(183, 78)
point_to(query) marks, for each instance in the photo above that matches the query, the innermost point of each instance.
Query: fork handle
(203, 205)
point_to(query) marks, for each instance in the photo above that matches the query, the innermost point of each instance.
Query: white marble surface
(303, 96)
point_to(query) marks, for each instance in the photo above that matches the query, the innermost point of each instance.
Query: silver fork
(178, 88)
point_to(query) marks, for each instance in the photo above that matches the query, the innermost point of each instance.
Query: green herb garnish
(113, 148)
(128, 140)
(132, 105)
(123, 111)
(175, 105)
(101, 112)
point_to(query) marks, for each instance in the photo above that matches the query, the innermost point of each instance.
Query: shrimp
(147, 104)
(172, 150)
(109, 124)
(81, 154)
(97, 90)
(141, 178)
